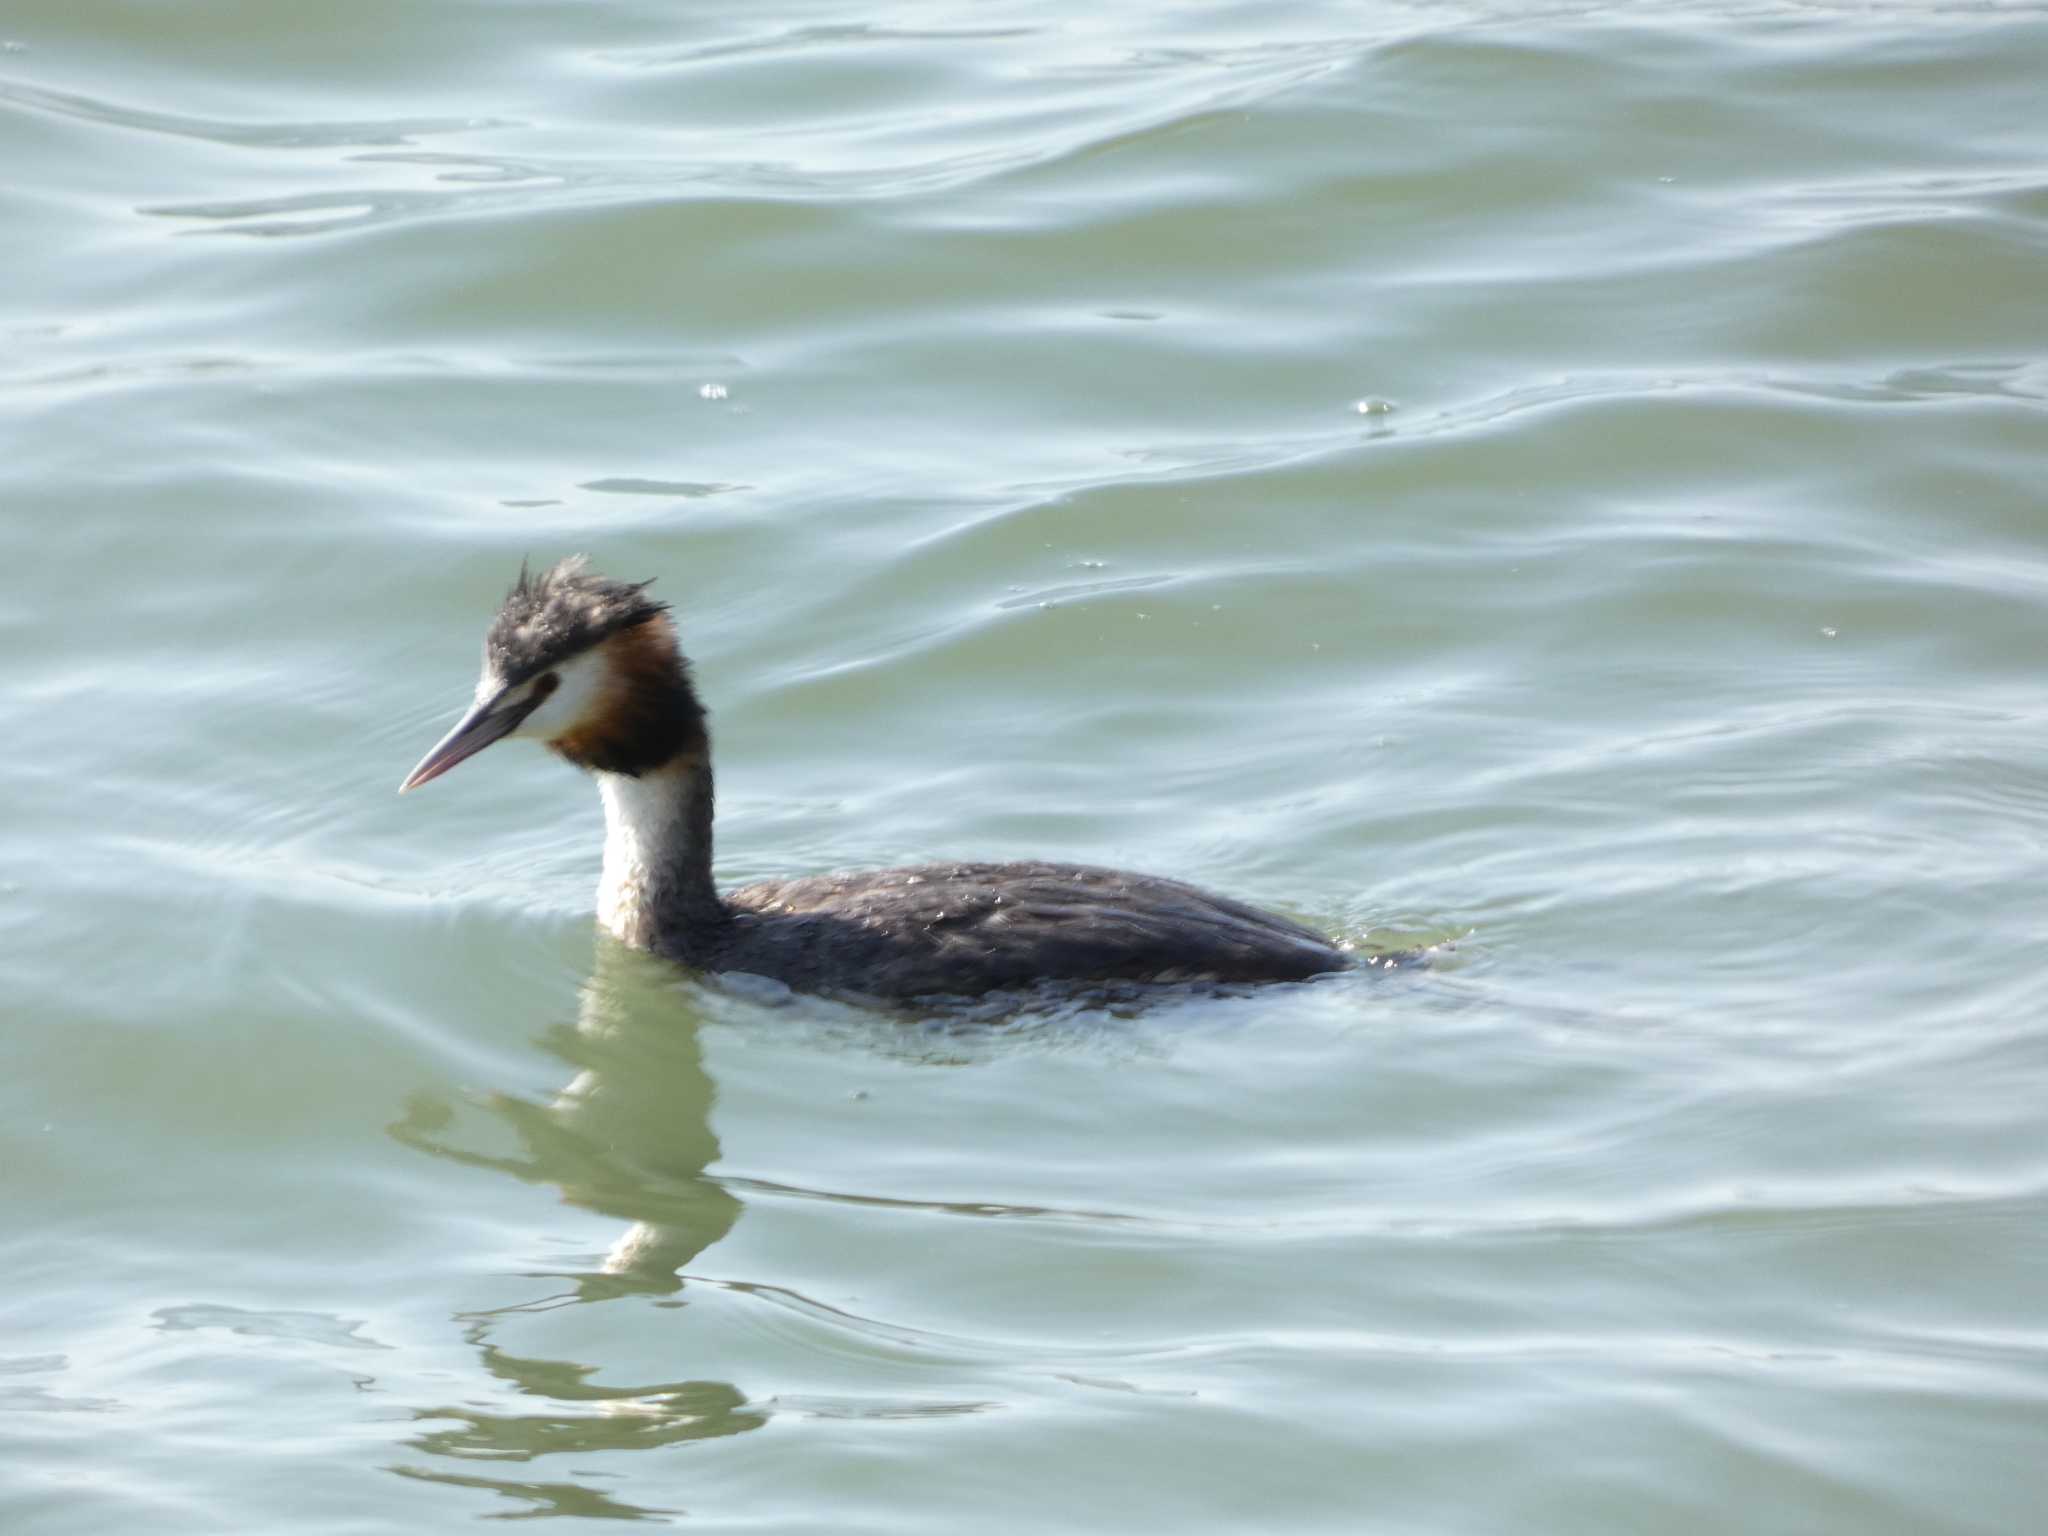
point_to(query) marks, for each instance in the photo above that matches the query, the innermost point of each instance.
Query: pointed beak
(485, 723)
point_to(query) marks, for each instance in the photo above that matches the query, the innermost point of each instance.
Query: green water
(1565, 482)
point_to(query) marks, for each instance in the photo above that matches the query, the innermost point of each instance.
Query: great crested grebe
(590, 667)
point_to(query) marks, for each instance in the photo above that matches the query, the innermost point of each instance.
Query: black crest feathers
(561, 612)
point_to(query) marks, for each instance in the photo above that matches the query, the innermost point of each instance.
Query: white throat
(646, 851)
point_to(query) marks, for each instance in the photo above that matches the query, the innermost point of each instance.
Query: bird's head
(589, 667)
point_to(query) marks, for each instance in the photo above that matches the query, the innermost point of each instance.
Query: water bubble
(712, 391)
(1372, 405)
(1828, 631)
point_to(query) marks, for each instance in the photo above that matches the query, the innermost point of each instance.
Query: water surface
(1559, 483)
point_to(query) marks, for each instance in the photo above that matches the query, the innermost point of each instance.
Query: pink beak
(485, 723)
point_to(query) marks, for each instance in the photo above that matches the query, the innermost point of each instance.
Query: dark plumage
(591, 667)
(964, 929)
(565, 610)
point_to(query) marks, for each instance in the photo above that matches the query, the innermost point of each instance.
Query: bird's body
(591, 668)
(963, 929)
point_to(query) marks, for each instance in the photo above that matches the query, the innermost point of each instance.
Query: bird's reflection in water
(630, 1137)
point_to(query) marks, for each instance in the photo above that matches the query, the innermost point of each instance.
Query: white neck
(657, 875)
